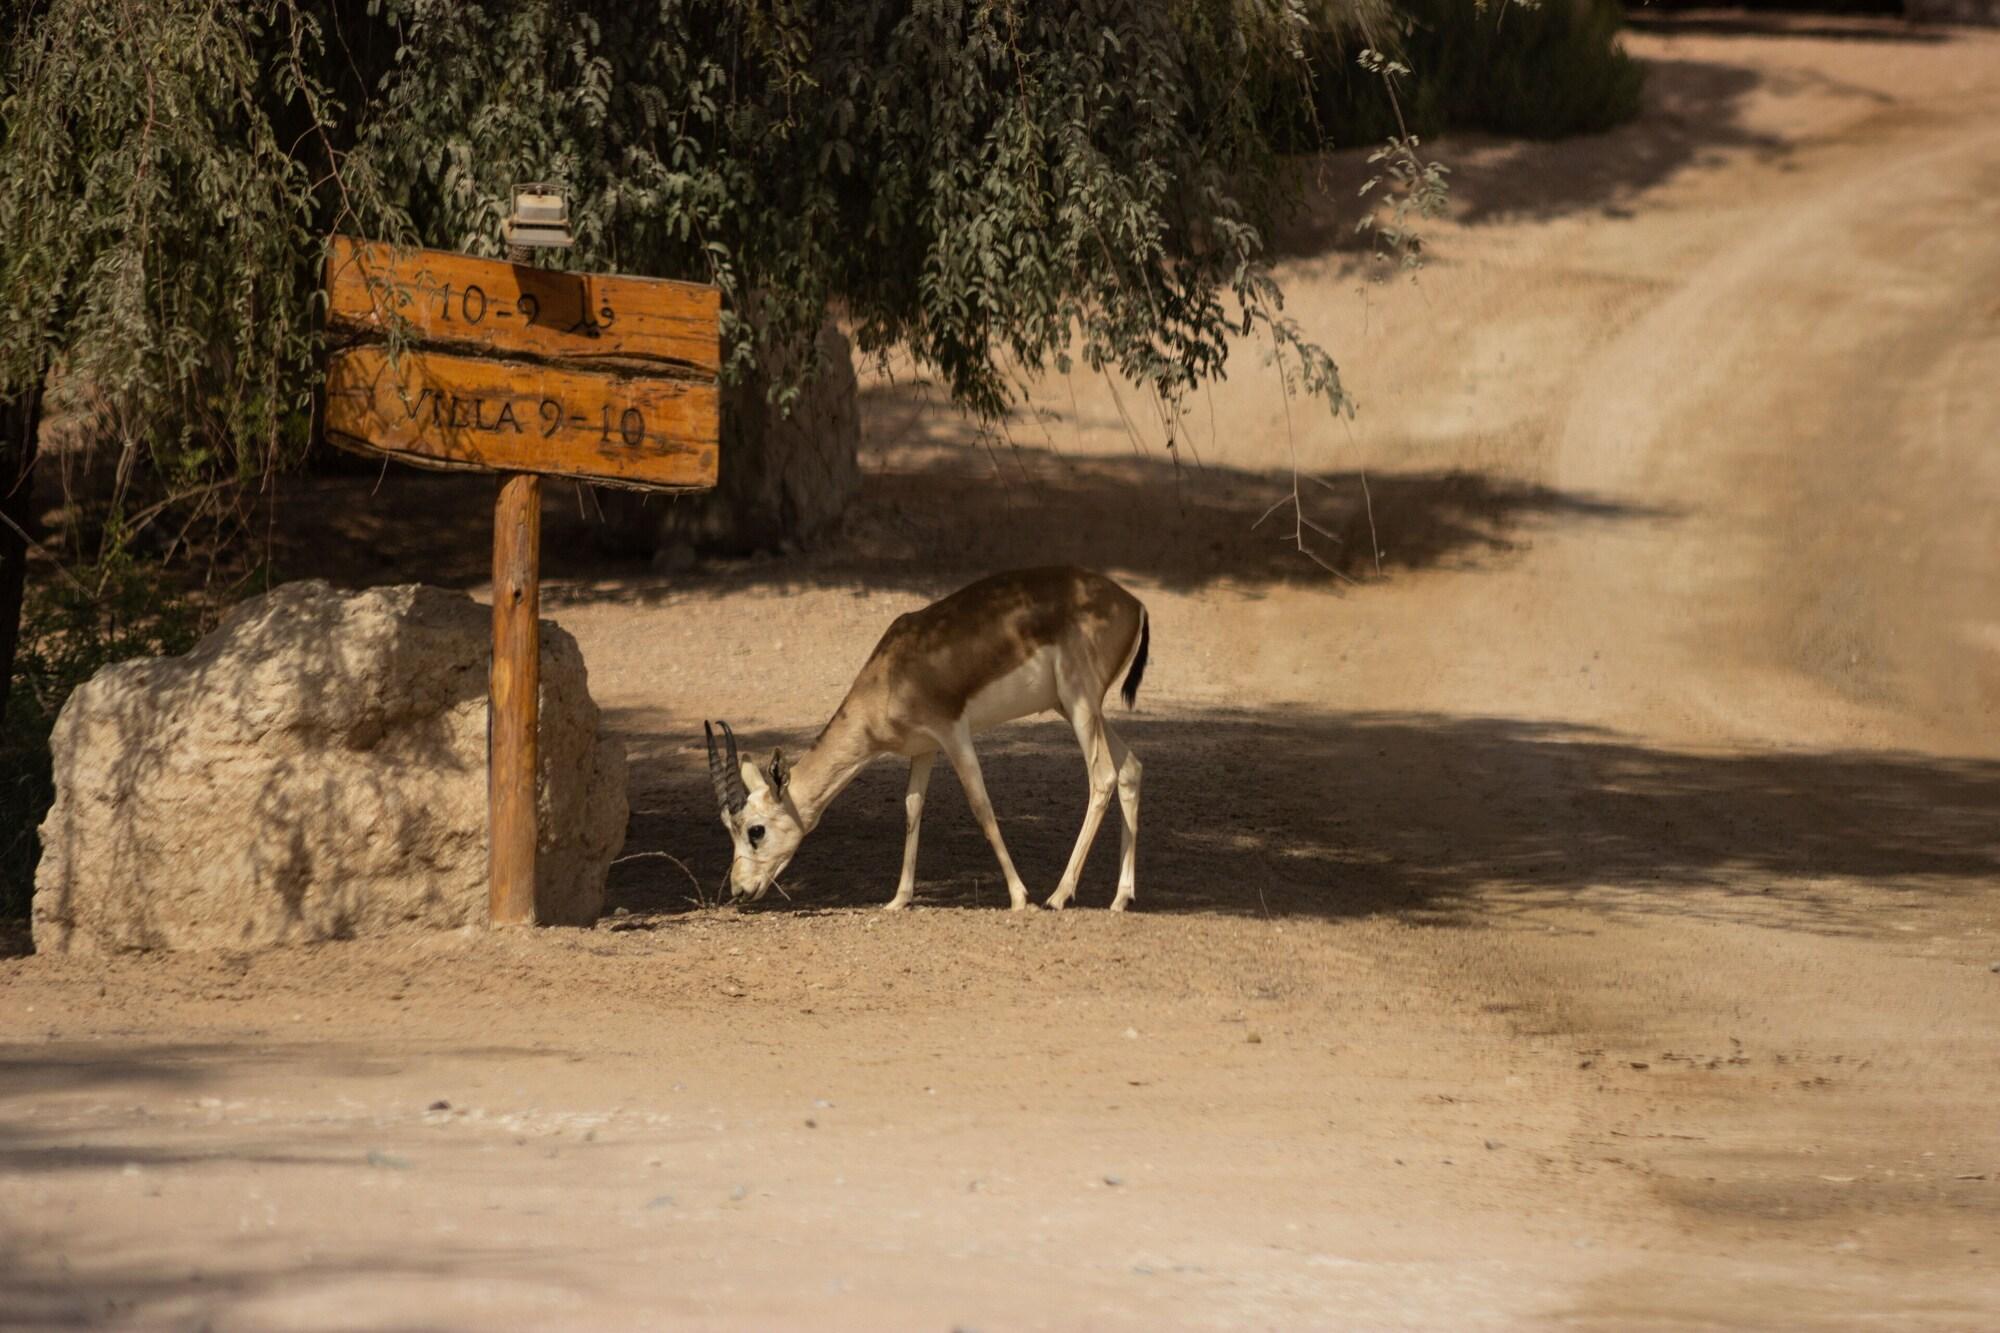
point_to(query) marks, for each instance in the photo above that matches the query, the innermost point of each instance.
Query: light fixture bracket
(540, 217)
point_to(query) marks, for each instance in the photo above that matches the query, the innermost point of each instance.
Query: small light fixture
(540, 217)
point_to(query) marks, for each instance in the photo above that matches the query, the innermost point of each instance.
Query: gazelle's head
(759, 814)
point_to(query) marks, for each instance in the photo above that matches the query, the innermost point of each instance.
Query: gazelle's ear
(753, 778)
(780, 770)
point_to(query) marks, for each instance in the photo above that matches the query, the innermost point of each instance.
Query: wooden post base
(514, 700)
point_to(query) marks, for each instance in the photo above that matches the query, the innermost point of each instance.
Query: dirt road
(1590, 920)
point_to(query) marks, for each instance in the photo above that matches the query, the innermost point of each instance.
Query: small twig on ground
(701, 898)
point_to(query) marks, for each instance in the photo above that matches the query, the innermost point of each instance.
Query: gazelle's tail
(1137, 672)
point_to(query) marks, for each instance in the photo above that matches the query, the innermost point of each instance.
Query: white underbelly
(1028, 689)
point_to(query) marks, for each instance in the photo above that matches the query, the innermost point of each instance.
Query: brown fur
(937, 658)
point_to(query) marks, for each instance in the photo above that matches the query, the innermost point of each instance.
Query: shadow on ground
(1438, 819)
(1693, 110)
(37, 1292)
(932, 524)
(139, 1120)
(1813, 22)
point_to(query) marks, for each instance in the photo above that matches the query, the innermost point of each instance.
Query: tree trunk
(783, 479)
(20, 443)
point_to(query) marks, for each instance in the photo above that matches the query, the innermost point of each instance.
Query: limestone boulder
(314, 769)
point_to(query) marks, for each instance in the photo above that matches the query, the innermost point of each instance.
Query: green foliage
(981, 182)
(156, 220)
(977, 182)
(69, 630)
(1540, 70)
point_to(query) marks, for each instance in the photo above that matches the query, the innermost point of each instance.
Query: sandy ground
(1588, 920)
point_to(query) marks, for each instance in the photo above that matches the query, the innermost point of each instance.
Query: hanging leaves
(980, 183)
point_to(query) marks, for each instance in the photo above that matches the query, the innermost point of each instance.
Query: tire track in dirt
(1816, 404)
(1782, 409)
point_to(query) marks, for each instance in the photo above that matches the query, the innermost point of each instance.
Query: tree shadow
(1873, 21)
(385, 523)
(36, 1072)
(1185, 528)
(53, 1275)
(32, 1071)
(1452, 820)
(1693, 111)
(941, 512)
(40, 1288)
(143, 1293)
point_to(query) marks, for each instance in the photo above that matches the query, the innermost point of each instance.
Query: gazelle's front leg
(957, 743)
(913, 818)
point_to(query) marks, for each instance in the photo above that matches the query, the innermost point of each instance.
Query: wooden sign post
(527, 372)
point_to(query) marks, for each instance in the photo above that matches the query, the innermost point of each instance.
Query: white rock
(314, 769)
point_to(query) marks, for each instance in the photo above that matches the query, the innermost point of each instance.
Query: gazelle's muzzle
(751, 889)
(735, 890)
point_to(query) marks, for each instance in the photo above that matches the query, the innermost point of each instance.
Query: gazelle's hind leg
(957, 743)
(1087, 717)
(913, 814)
(1129, 771)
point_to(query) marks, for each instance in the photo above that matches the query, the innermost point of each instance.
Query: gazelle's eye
(756, 834)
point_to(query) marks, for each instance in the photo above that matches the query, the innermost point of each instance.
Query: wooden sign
(604, 378)
(502, 309)
(437, 409)
(505, 367)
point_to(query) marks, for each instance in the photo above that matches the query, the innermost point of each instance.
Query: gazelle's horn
(727, 778)
(733, 771)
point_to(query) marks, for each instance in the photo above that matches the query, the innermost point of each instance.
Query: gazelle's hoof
(895, 904)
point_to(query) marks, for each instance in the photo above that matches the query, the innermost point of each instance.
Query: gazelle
(1009, 646)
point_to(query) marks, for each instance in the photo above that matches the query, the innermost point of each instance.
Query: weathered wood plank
(436, 409)
(489, 305)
